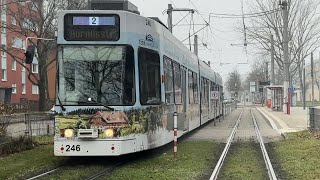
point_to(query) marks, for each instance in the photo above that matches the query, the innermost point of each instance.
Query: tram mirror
(30, 54)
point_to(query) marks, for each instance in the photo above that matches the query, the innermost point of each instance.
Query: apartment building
(15, 85)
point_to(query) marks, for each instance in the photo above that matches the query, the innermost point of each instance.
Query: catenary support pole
(285, 51)
(272, 82)
(196, 45)
(170, 17)
(312, 79)
(304, 85)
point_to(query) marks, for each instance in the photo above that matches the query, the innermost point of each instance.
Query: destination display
(94, 21)
(91, 27)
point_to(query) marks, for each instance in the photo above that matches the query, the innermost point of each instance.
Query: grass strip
(195, 160)
(244, 161)
(298, 156)
(16, 166)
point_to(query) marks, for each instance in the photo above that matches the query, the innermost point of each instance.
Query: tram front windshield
(105, 74)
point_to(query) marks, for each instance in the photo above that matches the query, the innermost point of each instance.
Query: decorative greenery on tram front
(126, 123)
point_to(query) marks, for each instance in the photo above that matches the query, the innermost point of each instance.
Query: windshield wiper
(91, 102)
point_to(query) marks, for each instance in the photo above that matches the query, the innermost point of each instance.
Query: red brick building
(14, 82)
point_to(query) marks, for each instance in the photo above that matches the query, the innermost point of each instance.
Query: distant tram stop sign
(215, 95)
(293, 89)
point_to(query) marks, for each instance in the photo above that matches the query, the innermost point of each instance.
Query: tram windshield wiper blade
(94, 103)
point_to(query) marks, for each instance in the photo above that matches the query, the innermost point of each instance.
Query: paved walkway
(296, 121)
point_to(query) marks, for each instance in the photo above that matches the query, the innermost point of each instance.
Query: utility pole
(272, 82)
(267, 73)
(312, 80)
(170, 17)
(195, 45)
(272, 61)
(286, 52)
(169, 12)
(304, 85)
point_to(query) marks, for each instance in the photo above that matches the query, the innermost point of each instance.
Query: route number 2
(72, 148)
(94, 20)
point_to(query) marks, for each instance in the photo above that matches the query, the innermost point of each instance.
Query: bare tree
(36, 18)
(233, 83)
(303, 30)
(257, 73)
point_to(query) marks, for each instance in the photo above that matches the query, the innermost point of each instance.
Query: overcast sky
(219, 37)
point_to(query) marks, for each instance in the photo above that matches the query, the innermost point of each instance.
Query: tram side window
(190, 81)
(195, 87)
(149, 72)
(183, 83)
(203, 91)
(177, 83)
(168, 72)
(207, 90)
(129, 82)
(211, 89)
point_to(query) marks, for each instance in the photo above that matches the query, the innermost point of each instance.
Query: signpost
(215, 95)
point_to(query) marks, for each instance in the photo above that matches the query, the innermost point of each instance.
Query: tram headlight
(109, 133)
(68, 133)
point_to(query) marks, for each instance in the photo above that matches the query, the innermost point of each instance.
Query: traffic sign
(215, 95)
(293, 89)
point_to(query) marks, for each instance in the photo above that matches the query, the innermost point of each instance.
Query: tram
(121, 76)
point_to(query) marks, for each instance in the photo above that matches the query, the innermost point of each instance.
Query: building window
(3, 50)
(35, 89)
(14, 65)
(14, 88)
(23, 67)
(22, 3)
(34, 68)
(23, 89)
(13, 20)
(18, 43)
(149, 71)
(3, 27)
(34, 6)
(4, 75)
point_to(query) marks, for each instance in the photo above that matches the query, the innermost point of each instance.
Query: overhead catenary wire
(181, 20)
(206, 23)
(179, 11)
(245, 15)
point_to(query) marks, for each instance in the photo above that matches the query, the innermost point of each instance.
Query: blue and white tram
(121, 77)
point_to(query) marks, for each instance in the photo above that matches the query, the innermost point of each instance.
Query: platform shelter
(276, 101)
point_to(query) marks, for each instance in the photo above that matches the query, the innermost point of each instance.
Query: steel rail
(44, 174)
(216, 170)
(266, 158)
(108, 169)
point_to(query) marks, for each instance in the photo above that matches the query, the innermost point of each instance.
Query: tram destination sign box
(91, 27)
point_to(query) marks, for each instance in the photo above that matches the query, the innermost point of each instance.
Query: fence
(228, 107)
(25, 125)
(314, 118)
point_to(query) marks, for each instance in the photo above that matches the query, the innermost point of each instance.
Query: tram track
(231, 139)
(44, 174)
(99, 168)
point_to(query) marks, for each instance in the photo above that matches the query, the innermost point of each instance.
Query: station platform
(284, 123)
(273, 125)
